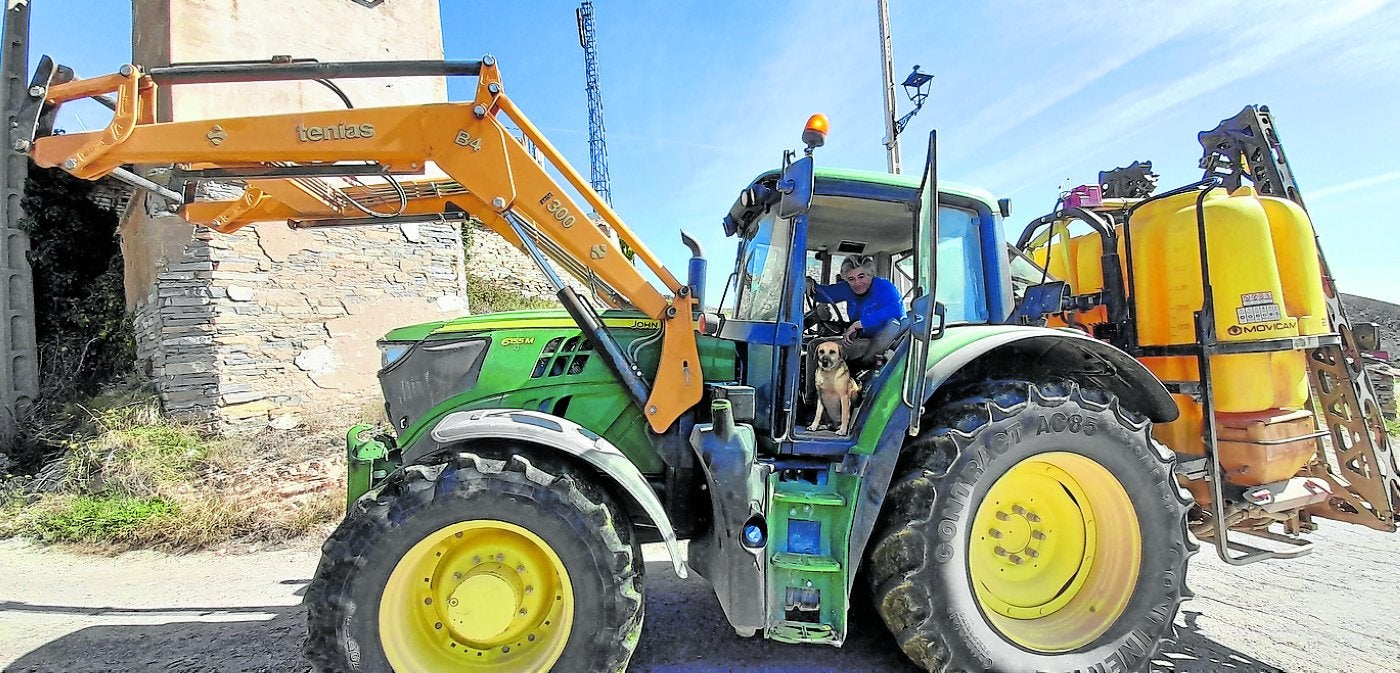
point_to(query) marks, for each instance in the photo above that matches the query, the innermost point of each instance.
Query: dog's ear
(840, 350)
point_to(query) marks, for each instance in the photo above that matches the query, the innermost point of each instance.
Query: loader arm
(489, 175)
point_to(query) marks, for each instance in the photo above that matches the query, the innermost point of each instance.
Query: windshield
(765, 265)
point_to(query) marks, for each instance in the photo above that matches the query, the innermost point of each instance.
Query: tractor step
(809, 520)
(806, 563)
(809, 498)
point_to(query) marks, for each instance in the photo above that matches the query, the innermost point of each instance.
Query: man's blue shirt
(874, 309)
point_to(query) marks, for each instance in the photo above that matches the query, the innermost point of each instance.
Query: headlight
(392, 352)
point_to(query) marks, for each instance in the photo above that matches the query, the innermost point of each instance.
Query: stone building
(272, 324)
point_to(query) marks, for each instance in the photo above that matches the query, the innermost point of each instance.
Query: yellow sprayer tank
(1079, 262)
(1264, 271)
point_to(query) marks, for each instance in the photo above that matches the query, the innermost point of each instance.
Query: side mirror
(1004, 206)
(795, 186)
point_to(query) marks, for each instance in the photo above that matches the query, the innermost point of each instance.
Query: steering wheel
(821, 319)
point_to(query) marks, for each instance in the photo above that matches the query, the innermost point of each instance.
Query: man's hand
(851, 332)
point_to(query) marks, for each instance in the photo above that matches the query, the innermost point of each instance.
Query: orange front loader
(490, 176)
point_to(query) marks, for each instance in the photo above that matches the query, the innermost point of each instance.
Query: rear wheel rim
(1054, 552)
(477, 595)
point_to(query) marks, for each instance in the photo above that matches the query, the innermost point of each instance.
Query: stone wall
(493, 261)
(271, 324)
(263, 325)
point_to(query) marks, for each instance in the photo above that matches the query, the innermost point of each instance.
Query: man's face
(859, 279)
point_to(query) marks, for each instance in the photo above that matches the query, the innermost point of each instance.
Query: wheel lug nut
(476, 560)
(1032, 553)
(994, 533)
(520, 569)
(1019, 510)
(500, 557)
(1037, 535)
(1000, 552)
(1033, 517)
(1015, 559)
(452, 602)
(457, 576)
(1003, 516)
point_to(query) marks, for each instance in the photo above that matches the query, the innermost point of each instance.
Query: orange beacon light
(814, 134)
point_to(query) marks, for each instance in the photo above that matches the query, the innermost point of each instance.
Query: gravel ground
(1336, 610)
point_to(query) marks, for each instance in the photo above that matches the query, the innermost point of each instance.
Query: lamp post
(916, 87)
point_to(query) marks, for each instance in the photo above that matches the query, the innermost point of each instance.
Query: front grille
(430, 373)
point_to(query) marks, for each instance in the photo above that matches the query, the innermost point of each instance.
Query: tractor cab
(853, 217)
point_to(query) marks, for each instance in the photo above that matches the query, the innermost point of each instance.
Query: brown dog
(835, 387)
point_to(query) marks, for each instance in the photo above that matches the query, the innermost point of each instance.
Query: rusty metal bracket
(1358, 459)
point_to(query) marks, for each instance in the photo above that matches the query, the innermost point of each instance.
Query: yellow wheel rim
(1054, 552)
(477, 595)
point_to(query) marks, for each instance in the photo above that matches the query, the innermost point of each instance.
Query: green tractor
(999, 488)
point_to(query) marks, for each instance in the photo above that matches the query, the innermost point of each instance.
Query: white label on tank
(1258, 313)
(1257, 298)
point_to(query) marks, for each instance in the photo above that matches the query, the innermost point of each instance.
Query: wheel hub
(477, 596)
(483, 606)
(1041, 567)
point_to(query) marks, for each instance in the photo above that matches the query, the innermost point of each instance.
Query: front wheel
(478, 565)
(1032, 528)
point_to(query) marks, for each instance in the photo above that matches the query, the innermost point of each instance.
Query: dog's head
(829, 354)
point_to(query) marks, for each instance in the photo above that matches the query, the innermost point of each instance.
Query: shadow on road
(259, 645)
(1194, 653)
(685, 631)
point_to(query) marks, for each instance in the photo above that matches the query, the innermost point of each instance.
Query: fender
(1061, 352)
(553, 432)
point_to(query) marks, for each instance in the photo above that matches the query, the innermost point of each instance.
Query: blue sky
(1029, 97)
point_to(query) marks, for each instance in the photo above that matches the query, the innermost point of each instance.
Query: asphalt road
(1336, 610)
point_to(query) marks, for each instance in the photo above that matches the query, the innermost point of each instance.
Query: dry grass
(129, 478)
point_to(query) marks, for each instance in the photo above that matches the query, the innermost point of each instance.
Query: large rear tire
(509, 566)
(1032, 527)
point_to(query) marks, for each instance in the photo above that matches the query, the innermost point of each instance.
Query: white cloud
(1348, 187)
(1261, 45)
(1083, 53)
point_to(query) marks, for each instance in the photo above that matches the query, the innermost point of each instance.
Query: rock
(317, 360)
(451, 303)
(240, 293)
(242, 398)
(285, 422)
(411, 232)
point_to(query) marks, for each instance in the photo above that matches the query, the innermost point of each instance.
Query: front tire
(478, 565)
(1033, 527)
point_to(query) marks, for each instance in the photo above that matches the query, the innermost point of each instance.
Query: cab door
(926, 314)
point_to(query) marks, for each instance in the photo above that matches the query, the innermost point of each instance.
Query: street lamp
(916, 87)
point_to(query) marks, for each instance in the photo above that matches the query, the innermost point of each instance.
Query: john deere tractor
(1000, 490)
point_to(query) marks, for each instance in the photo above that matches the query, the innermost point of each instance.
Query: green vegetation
(486, 298)
(102, 519)
(127, 477)
(83, 331)
(1393, 427)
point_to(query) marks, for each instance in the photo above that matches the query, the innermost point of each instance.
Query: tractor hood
(489, 322)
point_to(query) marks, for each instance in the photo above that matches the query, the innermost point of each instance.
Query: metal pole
(887, 60)
(19, 378)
